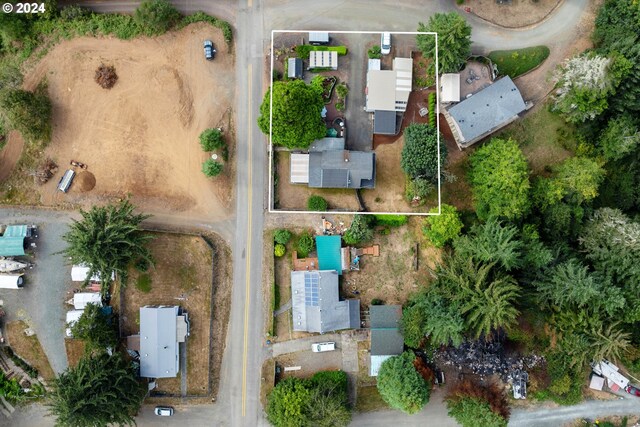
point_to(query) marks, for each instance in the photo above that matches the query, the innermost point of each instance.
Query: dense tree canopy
(401, 386)
(431, 315)
(420, 152)
(95, 328)
(492, 242)
(101, 390)
(454, 41)
(443, 228)
(473, 404)
(108, 239)
(499, 177)
(360, 230)
(27, 112)
(156, 16)
(319, 401)
(296, 114)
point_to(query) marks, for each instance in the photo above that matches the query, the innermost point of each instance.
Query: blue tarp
(329, 257)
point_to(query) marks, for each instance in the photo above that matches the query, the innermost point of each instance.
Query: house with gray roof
(334, 168)
(485, 112)
(386, 339)
(316, 304)
(162, 329)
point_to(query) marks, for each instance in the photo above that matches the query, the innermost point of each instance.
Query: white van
(385, 43)
(320, 347)
(11, 281)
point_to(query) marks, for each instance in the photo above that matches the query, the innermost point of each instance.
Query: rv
(11, 281)
(66, 180)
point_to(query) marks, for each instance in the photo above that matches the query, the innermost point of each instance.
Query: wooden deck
(304, 264)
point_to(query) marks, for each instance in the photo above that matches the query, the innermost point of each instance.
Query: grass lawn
(28, 348)
(518, 61)
(369, 400)
(544, 137)
(74, 349)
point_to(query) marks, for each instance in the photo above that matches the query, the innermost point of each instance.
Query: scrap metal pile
(485, 358)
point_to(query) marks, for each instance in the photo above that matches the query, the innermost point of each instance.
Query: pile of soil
(106, 76)
(85, 181)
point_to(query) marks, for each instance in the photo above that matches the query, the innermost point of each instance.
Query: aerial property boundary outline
(271, 183)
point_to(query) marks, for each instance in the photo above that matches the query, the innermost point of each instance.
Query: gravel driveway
(41, 302)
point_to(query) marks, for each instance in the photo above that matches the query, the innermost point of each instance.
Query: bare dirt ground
(10, 154)
(28, 348)
(141, 136)
(74, 349)
(183, 276)
(516, 14)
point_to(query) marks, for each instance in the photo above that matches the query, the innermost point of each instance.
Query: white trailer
(610, 372)
(72, 317)
(81, 299)
(11, 281)
(79, 273)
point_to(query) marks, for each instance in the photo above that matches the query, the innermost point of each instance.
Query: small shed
(299, 168)
(294, 68)
(450, 87)
(323, 59)
(384, 122)
(317, 38)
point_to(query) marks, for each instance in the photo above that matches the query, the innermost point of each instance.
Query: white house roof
(450, 86)
(389, 90)
(159, 357)
(299, 168)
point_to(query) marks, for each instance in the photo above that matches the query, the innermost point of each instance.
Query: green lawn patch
(303, 50)
(143, 283)
(369, 400)
(515, 62)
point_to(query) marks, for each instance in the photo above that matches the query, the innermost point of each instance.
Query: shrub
(443, 228)
(340, 106)
(391, 220)
(106, 76)
(305, 245)
(317, 203)
(342, 90)
(282, 236)
(359, 231)
(211, 139)
(401, 386)
(377, 301)
(375, 52)
(70, 13)
(227, 30)
(142, 265)
(211, 168)
(155, 17)
(279, 250)
(432, 110)
(417, 189)
(473, 404)
(143, 283)
(27, 112)
(419, 157)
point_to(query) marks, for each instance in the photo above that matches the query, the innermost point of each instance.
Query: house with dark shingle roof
(342, 169)
(386, 339)
(485, 112)
(316, 304)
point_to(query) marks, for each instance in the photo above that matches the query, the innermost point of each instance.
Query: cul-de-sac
(293, 213)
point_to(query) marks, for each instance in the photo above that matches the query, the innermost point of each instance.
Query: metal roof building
(329, 253)
(294, 68)
(316, 305)
(450, 87)
(160, 334)
(323, 59)
(385, 122)
(12, 240)
(485, 112)
(386, 339)
(342, 169)
(389, 90)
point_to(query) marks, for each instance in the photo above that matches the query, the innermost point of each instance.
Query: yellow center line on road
(248, 250)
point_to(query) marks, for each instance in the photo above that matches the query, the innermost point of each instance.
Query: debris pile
(485, 358)
(106, 76)
(45, 171)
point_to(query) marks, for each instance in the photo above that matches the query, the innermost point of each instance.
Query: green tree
(317, 203)
(608, 342)
(95, 328)
(155, 17)
(296, 114)
(419, 158)
(580, 178)
(101, 390)
(360, 230)
(473, 404)
(27, 112)
(305, 245)
(212, 168)
(211, 140)
(416, 190)
(492, 242)
(431, 315)
(443, 228)
(499, 176)
(108, 239)
(401, 386)
(287, 402)
(328, 403)
(454, 41)
(282, 236)
(620, 138)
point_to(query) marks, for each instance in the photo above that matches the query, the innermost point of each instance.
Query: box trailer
(11, 281)
(318, 38)
(81, 299)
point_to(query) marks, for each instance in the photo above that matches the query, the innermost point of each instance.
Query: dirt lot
(183, 276)
(74, 349)
(310, 362)
(520, 13)
(141, 136)
(28, 348)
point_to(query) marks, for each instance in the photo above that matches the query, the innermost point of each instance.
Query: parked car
(632, 390)
(323, 346)
(385, 43)
(163, 411)
(209, 50)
